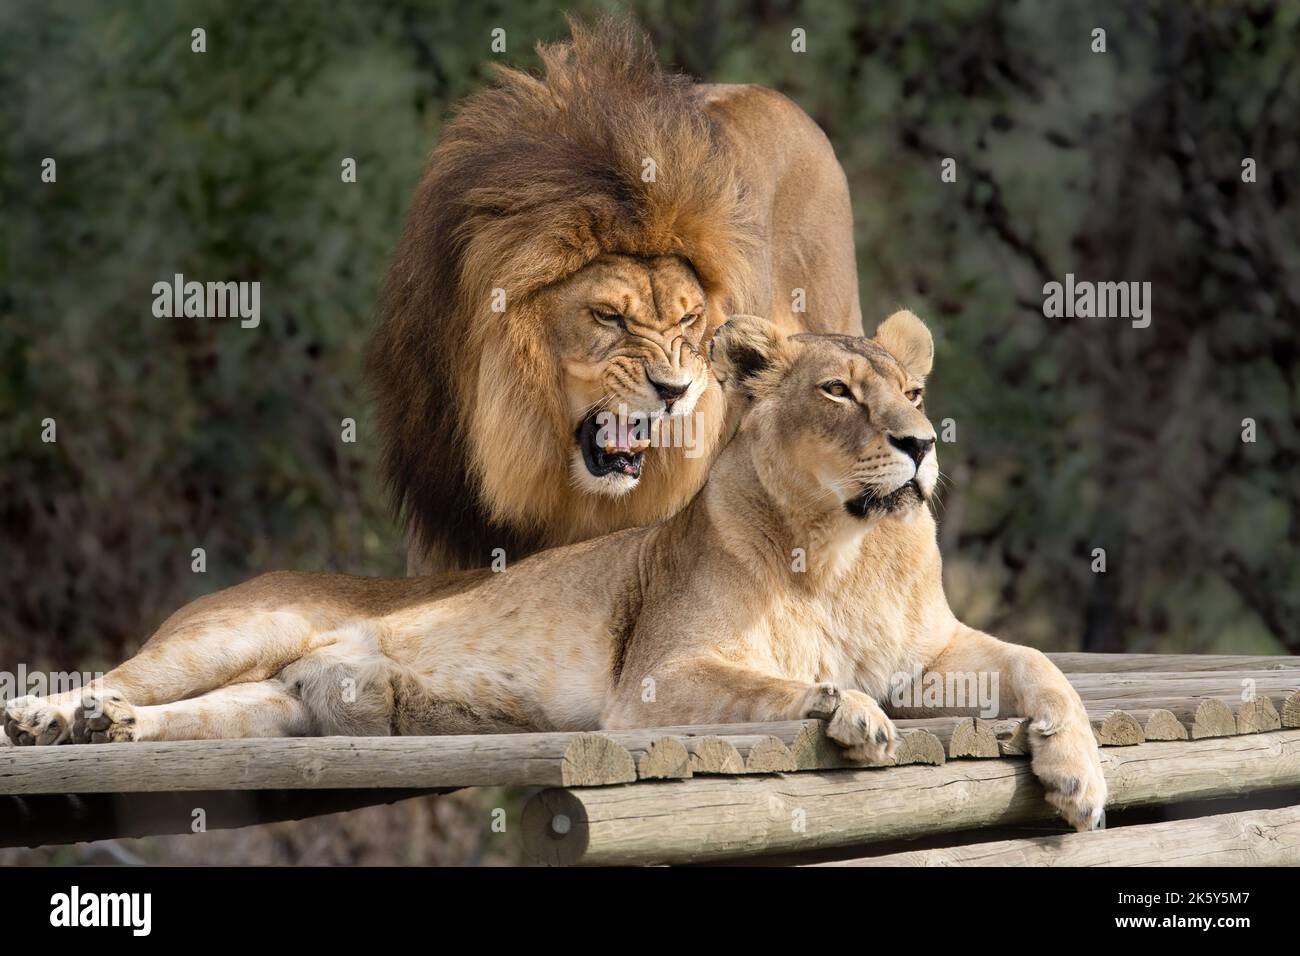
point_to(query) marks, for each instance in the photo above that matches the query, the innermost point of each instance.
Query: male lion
(573, 244)
(833, 459)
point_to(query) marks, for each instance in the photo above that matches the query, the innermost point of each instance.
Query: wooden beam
(318, 763)
(717, 818)
(1085, 663)
(1249, 838)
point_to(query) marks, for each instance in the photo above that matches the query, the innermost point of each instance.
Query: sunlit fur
(765, 598)
(538, 188)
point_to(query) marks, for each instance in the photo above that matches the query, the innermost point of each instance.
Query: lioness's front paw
(31, 721)
(1067, 762)
(104, 717)
(862, 728)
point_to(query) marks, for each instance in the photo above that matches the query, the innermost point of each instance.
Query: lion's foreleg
(1023, 682)
(710, 691)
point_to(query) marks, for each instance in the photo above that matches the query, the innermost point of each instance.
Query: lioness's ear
(906, 338)
(742, 347)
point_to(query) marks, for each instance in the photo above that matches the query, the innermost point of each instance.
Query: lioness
(576, 239)
(833, 459)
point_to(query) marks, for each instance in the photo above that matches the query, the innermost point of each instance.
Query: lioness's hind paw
(30, 721)
(105, 717)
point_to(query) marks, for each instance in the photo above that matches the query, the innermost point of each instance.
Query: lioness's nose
(912, 447)
(669, 391)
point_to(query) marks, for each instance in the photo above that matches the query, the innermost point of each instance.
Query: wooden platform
(1174, 730)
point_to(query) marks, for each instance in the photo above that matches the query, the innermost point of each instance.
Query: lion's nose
(669, 391)
(914, 448)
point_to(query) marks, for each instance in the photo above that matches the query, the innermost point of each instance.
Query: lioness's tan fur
(801, 581)
(534, 181)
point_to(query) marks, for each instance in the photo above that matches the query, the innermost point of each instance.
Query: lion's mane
(531, 180)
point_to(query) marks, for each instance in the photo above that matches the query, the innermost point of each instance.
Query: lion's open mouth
(614, 459)
(869, 502)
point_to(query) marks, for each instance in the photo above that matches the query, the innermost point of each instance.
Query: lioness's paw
(1068, 764)
(862, 729)
(104, 717)
(31, 721)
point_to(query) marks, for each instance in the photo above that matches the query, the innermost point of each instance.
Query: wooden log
(973, 738)
(1012, 734)
(918, 741)
(1290, 710)
(1122, 687)
(918, 746)
(657, 757)
(711, 754)
(1203, 716)
(960, 736)
(764, 753)
(1159, 724)
(1257, 716)
(318, 763)
(807, 741)
(1117, 729)
(1085, 663)
(1248, 838)
(717, 818)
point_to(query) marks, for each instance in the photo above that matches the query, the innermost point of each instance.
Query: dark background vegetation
(1072, 434)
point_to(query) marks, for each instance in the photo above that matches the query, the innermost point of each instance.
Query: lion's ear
(906, 338)
(742, 347)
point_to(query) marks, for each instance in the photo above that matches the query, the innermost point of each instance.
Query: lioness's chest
(838, 641)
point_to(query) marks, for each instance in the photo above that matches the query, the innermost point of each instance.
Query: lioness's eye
(836, 389)
(688, 319)
(914, 396)
(609, 318)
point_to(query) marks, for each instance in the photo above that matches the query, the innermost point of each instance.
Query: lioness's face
(627, 332)
(845, 418)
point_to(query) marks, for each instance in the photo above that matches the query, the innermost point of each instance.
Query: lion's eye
(836, 389)
(607, 318)
(689, 318)
(914, 395)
